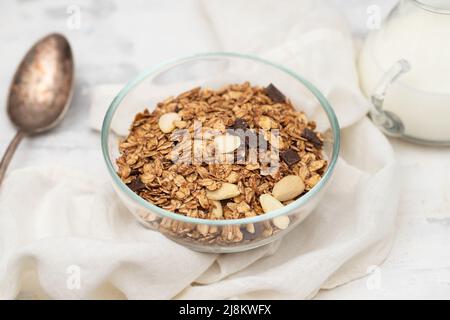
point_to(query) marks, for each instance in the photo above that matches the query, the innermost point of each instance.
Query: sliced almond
(167, 121)
(226, 143)
(281, 222)
(226, 191)
(269, 203)
(288, 188)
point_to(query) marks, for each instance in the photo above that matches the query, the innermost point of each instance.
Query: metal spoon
(41, 90)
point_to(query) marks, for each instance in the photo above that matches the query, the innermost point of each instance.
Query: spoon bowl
(41, 90)
(42, 85)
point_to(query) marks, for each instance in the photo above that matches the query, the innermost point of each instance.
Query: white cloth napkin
(72, 238)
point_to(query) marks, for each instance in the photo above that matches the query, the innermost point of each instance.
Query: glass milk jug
(405, 69)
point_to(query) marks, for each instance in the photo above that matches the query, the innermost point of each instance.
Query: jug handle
(386, 120)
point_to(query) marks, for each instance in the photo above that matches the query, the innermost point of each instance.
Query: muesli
(232, 153)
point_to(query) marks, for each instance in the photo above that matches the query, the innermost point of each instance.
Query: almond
(269, 203)
(216, 210)
(250, 228)
(167, 121)
(288, 188)
(281, 222)
(203, 229)
(226, 191)
(227, 143)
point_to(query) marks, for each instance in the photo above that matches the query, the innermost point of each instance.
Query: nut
(216, 210)
(232, 234)
(167, 121)
(269, 203)
(281, 222)
(250, 228)
(288, 188)
(226, 191)
(227, 143)
(203, 229)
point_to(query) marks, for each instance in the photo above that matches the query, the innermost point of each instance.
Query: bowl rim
(172, 215)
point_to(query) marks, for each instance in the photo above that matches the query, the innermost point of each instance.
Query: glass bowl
(214, 70)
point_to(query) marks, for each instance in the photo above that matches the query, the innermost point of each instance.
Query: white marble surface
(115, 41)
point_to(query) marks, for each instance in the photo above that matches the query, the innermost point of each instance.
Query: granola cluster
(195, 154)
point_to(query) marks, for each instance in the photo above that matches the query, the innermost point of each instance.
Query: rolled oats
(219, 154)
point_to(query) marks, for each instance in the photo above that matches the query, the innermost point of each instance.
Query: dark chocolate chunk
(134, 172)
(274, 94)
(239, 124)
(136, 185)
(224, 202)
(311, 136)
(290, 157)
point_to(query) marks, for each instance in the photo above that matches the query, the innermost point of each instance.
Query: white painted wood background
(113, 44)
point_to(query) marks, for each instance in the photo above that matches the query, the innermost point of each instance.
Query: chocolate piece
(239, 124)
(136, 185)
(311, 136)
(134, 172)
(290, 157)
(274, 94)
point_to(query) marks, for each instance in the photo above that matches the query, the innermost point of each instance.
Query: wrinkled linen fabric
(74, 239)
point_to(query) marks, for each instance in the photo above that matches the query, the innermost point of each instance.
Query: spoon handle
(9, 153)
